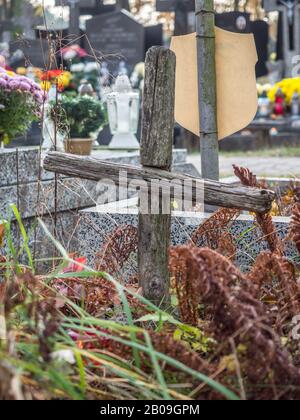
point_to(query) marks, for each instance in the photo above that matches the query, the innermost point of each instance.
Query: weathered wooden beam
(215, 193)
(156, 152)
(209, 145)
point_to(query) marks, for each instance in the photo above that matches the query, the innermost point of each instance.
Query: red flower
(76, 266)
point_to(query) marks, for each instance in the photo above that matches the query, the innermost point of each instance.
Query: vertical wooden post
(209, 145)
(156, 151)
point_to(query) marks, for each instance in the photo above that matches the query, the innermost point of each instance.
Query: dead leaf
(1, 234)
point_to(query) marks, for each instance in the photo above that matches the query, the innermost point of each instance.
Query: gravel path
(262, 166)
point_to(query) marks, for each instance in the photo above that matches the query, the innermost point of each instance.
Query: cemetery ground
(153, 317)
(111, 302)
(278, 162)
(75, 332)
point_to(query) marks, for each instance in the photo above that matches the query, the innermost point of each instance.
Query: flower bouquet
(288, 87)
(60, 78)
(20, 104)
(81, 118)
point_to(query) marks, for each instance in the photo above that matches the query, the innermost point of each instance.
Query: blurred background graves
(96, 40)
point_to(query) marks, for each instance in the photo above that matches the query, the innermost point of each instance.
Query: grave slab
(97, 224)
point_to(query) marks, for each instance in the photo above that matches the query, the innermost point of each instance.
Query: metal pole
(209, 145)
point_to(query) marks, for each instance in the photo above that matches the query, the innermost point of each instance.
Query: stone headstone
(234, 22)
(153, 36)
(172, 5)
(35, 52)
(183, 10)
(90, 7)
(116, 37)
(260, 30)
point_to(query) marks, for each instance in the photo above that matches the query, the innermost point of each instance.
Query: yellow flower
(288, 87)
(10, 73)
(21, 71)
(45, 85)
(64, 79)
(275, 209)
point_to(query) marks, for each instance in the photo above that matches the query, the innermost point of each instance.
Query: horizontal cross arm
(215, 193)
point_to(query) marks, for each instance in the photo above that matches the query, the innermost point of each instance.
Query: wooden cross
(156, 160)
(181, 9)
(291, 28)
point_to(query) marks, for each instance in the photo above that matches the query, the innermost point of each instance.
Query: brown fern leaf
(261, 272)
(233, 310)
(120, 244)
(165, 343)
(295, 226)
(275, 275)
(184, 271)
(162, 342)
(210, 232)
(265, 221)
(226, 246)
(246, 177)
(269, 231)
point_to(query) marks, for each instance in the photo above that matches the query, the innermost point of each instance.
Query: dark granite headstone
(234, 22)
(153, 36)
(260, 30)
(279, 44)
(91, 7)
(6, 25)
(182, 8)
(35, 52)
(116, 37)
(172, 5)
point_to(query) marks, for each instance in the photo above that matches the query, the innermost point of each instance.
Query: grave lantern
(123, 114)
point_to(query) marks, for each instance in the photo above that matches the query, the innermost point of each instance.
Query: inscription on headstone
(117, 37)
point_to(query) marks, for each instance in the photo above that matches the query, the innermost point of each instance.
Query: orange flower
(50, 75)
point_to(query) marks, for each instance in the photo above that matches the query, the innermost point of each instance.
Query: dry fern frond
(274, 275)
(295, 226)
(162, 342)
(233, 311)
(265, 221)
(246, 177)
(211, 231)
(226, 246)
(185, 272)
(117, 249)
(269, 231)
